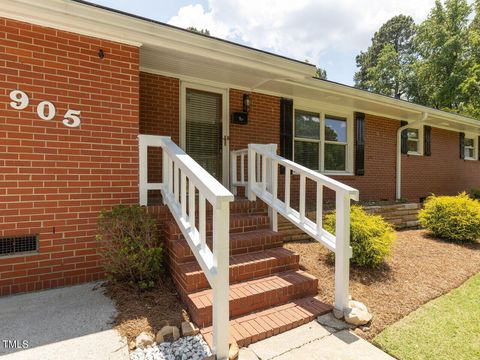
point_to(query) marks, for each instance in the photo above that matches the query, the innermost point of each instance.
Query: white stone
(143, 340)
(356, 316)
(165, 331)
(353, 304)
(233, 351)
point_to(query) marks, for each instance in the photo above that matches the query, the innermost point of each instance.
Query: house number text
(45, 109)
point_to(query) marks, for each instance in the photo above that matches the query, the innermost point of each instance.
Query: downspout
(399, 153)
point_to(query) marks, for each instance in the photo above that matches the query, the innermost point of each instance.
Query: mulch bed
(146, 310)
(420, 269)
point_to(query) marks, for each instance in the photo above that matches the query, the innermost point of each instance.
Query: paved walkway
(313, 341)
(67, 323)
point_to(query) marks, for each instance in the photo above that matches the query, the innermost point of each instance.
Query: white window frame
(419, 141)
(475, 147)
(323, 112)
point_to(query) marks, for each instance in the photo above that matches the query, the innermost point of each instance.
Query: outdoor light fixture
(101, 54)
(246, 103)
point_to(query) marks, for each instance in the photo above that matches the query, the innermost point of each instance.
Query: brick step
(243, 267)
(257, 326)
(240, 243)
(254, 295)
(238, 223)
(242, 205)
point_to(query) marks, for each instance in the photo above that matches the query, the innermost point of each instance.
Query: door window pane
(412, 145)
(335, 129)
(306, 154)
(307, 125)
(204, 130)
(335, 155)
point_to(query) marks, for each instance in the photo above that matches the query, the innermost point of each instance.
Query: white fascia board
(344, 90)
(92, 21)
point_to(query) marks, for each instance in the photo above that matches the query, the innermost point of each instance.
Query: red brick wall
(54, 180)
(421, 175)
(159, 115)
(441, 173)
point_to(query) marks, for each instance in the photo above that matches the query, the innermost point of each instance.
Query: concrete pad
(281, 343)
(60, 323)
(247, 354)
(341, 345)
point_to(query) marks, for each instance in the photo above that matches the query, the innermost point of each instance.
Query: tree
(319, 72)
(386, 66)
(201, 31)
(442, 43)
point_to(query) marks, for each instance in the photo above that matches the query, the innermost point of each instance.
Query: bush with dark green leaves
(371, 237)
(454, 218)
(130, 246)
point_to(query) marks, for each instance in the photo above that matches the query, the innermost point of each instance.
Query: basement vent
(12, 245)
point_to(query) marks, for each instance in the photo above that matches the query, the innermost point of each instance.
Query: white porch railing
(179, 173)
(263, 167)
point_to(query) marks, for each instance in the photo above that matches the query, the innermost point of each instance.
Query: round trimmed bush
(371, 237)
(454, 218)
(129, 243)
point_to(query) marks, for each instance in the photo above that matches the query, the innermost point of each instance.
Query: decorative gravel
(185, 348)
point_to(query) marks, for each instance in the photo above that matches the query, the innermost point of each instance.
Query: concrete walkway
(68, 323)
(313, 341)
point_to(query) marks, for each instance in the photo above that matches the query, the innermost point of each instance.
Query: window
(469, 149)
(414, 141)
(321, 141)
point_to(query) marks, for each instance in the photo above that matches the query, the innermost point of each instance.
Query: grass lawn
(445, 328)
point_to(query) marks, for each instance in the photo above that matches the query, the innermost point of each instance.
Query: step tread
(243, 267)
(257, 326)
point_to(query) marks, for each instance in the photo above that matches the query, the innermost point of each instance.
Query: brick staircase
(269, 294)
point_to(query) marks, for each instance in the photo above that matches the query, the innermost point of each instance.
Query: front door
(205, 128)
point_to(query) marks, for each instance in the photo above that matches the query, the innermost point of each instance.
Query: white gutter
(399, 153)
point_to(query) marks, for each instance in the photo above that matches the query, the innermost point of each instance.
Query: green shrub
(475, 194)
(130, 246)
(455, 218)
(371, 237)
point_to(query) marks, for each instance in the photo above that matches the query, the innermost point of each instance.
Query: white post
(233, 172)
(252, 176)
(274, 181)
(143, 170)
(342, 249)
(221, 228)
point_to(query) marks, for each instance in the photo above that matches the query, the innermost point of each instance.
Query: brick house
(80, 82)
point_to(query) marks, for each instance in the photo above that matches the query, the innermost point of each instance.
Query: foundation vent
(13, 245)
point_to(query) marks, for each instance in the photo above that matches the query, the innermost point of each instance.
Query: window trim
(323, 112)
(420, 141)
(475, 147)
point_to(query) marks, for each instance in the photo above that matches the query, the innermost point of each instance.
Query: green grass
(445, 328)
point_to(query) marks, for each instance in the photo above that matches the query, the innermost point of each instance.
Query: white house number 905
(45, 109)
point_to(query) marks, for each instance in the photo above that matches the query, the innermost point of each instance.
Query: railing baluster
(233, 172)
(302, 198)
(319, 207)
(183, 195)
(287, 188)
(242, 167)
(191, 203)
(201, 220)
(264, 173)
(252, 175)
(273, 212)
(176, 189)
(170, 175)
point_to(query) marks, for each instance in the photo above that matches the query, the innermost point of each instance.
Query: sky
(328, 33)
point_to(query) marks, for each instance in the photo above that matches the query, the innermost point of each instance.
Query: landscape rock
(185, 348)
(166, 330)
(189, 329)
(353, 304)
(233, 351)
(357, 317)
(143, 340)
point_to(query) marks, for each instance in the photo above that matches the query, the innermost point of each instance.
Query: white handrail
(182, 177)
(264, 184)
(235, 182)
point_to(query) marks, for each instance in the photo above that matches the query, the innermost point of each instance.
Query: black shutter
(462, 145)
(286, 128)
(427, 140)
(359, 144)
(404, 144)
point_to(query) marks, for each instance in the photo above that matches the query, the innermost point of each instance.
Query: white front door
(204, 127)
